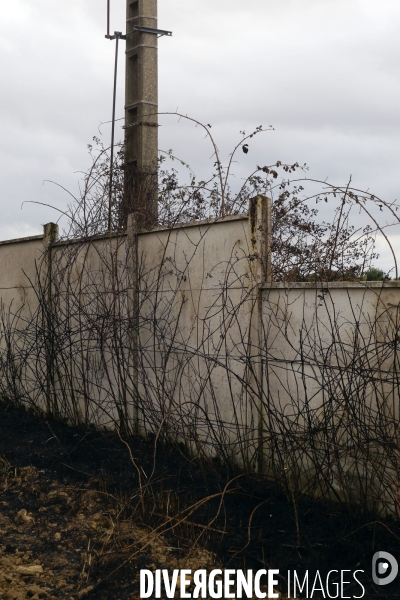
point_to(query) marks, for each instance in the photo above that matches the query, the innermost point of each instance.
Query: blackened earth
(82, 511)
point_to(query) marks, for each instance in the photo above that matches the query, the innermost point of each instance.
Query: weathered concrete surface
(141, 113)
(332, 370)
(17, 267)
(218, 351)
(196, 282)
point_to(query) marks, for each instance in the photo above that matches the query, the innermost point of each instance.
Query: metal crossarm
(159, 32)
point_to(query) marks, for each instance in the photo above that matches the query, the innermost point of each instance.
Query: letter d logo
(385, 564)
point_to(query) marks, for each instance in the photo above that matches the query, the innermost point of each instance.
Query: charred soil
(82, 511)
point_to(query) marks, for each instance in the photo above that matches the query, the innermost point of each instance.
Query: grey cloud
(324, 73)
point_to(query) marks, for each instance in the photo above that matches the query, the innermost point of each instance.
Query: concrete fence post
(260, 209)
(50, 237)
(133, 312)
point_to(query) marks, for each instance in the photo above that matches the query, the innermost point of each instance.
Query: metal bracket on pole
(117, 34)
(159, 32)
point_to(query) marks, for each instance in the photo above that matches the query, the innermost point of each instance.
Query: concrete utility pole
(141, 107)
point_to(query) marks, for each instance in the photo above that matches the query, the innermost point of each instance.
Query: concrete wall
(330, 326)
(196, 301)
(17, 270)
(177, 330)
(195, 298)
(332, 372)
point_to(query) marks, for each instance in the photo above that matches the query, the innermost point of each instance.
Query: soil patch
(82, 511)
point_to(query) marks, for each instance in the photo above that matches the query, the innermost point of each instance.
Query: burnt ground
(81, 511)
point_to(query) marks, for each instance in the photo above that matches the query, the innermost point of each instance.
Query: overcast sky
(324, 73)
